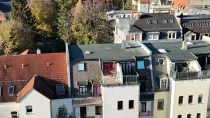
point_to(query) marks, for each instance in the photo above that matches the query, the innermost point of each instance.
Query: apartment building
(153, 26)
(185, 84)
(105, 78)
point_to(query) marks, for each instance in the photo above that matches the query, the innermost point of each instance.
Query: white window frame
(84, 88)
(29, 107)
(171, 33)
(79, 68)
(11, 94)
(165, 86)
(153, 36)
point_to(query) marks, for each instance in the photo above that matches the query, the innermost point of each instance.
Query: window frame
(181, 98)
(152, 36)
(131, 104)
(198, 115)
(200, 96)
(162, 62)
(163, 83)
(173, 35)
(190, 99)
(142, 61)
(133, 37)
(119, 105)
(160, 105)
(98, 110)
(189, 115)
(14, 114)
(63, 87)
(179, 116)
(84, 89)
(13, 90)
(30, 108)
(144, 103)
(1, 91)
(78, 67)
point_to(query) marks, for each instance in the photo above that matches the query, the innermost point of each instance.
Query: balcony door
(96, 90)
(107, 68)
(126, 68)
(83, 112)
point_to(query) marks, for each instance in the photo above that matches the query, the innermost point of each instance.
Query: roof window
(165, 21)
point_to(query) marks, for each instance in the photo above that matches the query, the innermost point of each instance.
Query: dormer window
(81, 67)
(60, 90)
(163, 83)
(172, 35)
(11, 90)
(160, 61)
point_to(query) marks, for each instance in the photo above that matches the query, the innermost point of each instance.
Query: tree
(14, 38)
(128, 5)
(90, 25)
(22, 13)
(63, 112)
(64, 19)
(44, 11)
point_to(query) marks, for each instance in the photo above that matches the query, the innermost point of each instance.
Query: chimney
(38, 51)
(137, 16)
(132, 14)
(184, 45)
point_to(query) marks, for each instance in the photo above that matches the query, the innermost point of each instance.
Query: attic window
(155, 21)
(11, 90)
(14, 114)
(29, 109)
(171, 21)
(60, 90)
(149, 22)
(165, 21)
(81, 67)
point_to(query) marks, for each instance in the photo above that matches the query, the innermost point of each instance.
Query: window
(29, 109)
(179, 116)
(152, 36)
(140, 64)
(96, 90)
(171, 21)
(172, 35)
(190, 99)
(163, 83)
(81, 67)
(0, 91)
(160, 61)
(11, 90)
(131, 104)
(160, 104)
(14, 114)
(98, 110)
(143, 106)
(200, 98)
(82, 89)
(60, 90)
(165, 21)
(188, 115)
(198, 115)
(120, 105)
(180, 99)
(132, 37)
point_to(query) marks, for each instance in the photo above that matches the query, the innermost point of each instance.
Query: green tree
(128, 5)
(63, 112)
(64, 19)
(14, 38)
(45, 13)
(90, 25)
(21, 12)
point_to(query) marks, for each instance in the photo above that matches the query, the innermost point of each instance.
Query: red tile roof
(180, 3)
(17, 71)
(37, 84)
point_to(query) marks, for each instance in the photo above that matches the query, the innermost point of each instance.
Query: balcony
(86, 101)
(130, 79)
(190, 75)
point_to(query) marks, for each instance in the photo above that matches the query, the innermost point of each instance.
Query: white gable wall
(55, 104)
(40, 105)
(7, 108)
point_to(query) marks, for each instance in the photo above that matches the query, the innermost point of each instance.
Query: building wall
(112, 94)
(186, 88)
(7, 108)
(161, 113)
(90, 110)
(144, 8)
(40, 105)
(55, 104)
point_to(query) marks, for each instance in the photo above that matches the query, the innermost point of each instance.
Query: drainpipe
(68, 69)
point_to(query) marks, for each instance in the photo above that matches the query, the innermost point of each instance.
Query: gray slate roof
(106, 52)
(143, 25)
(174, 51)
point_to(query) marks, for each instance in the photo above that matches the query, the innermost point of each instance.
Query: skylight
(149, 22)
(165, 21)
(155, 21)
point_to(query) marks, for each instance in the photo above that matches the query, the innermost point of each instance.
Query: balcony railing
(130, 79)
(87, 101)
(190, 75)
(147, 113)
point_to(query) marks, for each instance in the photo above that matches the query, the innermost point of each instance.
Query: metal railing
(130, 79)
(190, 75)
(87, 101)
